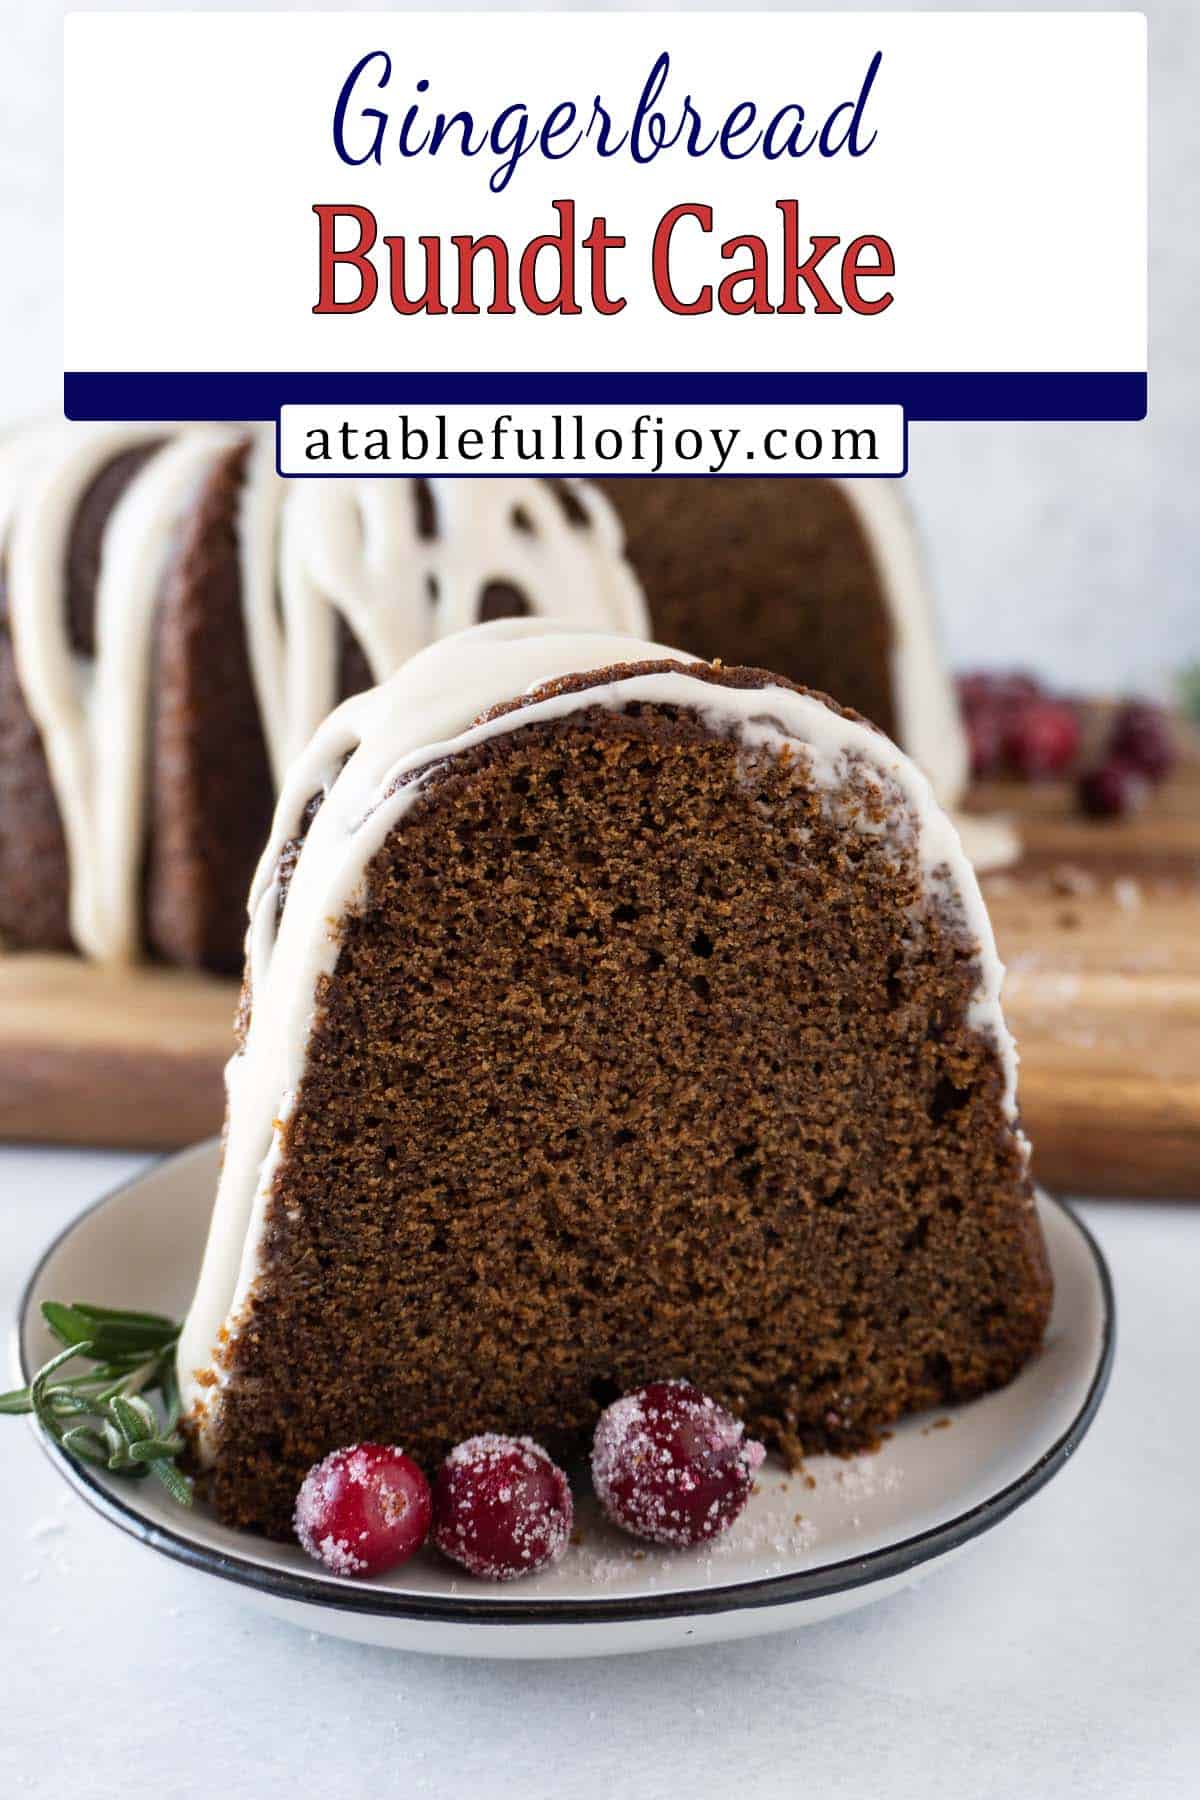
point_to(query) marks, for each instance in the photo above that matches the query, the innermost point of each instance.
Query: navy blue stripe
(230, 395)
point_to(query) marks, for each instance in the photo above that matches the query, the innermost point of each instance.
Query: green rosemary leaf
(80, 1383)
(113, 1335)
(168, 1382)
(132, 1355)
(154, 1449)
(129, 1471)
(116, 1368)
(65, 1403)
(41, 1380)
(132, 1417)
(120, 1316)
(104, 1394)
(93, 1381)
(68, 1326)
(177, 1484)
(115, 1343)
(86, 1444)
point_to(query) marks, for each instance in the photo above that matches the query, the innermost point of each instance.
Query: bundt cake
(175, 621)
(171, 633)
(608, 1017)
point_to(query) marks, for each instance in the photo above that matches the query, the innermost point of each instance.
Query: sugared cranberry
(501, 1508)
(671, 1465)
(1141, 737)
(985, 736)
(363, 1510)
(1042, 738)
(1111, 790)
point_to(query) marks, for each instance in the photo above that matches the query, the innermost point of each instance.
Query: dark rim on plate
(775, 1590)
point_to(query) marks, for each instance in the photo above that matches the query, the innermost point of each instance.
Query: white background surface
(1074, 547)
(1058, 1657)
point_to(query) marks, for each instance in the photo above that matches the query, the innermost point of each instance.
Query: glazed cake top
(366, 762)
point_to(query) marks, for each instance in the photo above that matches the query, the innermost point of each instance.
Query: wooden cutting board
(1099, 926)
(129, 1057)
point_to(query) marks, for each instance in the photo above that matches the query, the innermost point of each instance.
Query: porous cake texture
(609, 1017)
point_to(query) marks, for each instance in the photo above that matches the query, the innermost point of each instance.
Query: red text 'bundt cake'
(609, 1017)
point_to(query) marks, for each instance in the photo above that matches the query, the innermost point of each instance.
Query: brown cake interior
(773, 573)
(634, 1064)
(211, 794)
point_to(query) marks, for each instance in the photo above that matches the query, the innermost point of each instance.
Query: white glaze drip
(307, 551)
(355, 548)
(91, 712)
(421, 716)
(259, 509)
(928, 722)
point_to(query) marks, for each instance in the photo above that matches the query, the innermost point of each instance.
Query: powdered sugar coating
(670, 1465)
(363, 1510)
(502, 1508)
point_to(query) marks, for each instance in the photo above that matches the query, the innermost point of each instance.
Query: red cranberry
(671, 1465)
(996, 688)
(985, 738)
(1141, 737)
(501, 1508)
(976, 688)
(1111, 790)
(1018, 687)
(363, 1510)
(1042, 738)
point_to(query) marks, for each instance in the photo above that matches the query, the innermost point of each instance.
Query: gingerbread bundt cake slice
(608, 1017)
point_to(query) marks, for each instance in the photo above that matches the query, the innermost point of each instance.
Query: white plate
(800, 1553)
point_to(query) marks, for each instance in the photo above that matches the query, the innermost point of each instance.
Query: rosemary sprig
(103, 1416)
